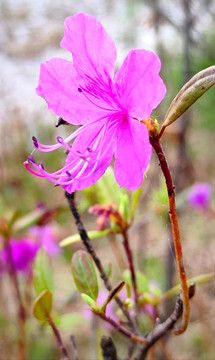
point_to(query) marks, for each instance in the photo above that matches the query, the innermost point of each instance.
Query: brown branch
(87, 243)
(175, 230)
(131, 264)
(122, 330)
(58, 339)
(161, 329)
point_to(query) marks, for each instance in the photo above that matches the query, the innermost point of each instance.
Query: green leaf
(108, 186)
(189, 93)
(113, 293)
(43, 305)
(92, 235)
(135, 197)
(69, 320)
(43, 279)
(124, 206)
(84, 274)
(199, 279)
(92, 303)
(108, 269)
(142, 280)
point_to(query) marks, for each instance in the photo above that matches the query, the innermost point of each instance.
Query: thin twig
(88, 244)
(161, 329)
(122, 330)
(176, 234)
(58, 339)
(131, 264)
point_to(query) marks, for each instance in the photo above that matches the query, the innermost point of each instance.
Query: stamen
(68, 173)
(80, 90)
(35, 142)
(41, 165)
(30, 170)
(62, 142)
(31, 159)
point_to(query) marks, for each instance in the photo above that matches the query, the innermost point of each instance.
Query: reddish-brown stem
(131, 264)
(122, 330)
(21, 309)
(58, 338)
(176, 234)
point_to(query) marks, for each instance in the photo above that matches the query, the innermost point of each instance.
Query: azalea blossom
(85, 92)
(23, 253)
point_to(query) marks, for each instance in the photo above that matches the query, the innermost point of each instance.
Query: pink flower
(83, 92)
(23, 253)
(200, 195)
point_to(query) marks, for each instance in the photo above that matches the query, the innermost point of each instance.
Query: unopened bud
(152, 126)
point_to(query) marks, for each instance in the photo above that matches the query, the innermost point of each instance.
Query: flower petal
(133, 153)
(58, 85)
(93, 51)
(138, 84)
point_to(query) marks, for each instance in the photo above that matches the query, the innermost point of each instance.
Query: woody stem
(176, 234)
(131, 264)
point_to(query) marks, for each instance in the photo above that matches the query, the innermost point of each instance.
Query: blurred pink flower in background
(83, 92)
(200, 195)
(23, 251)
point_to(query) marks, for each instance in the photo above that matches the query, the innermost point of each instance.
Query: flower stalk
(176, 233)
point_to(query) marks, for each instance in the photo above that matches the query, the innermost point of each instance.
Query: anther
(60, 140)
(79, 90)
(31, 159)
(68, 174)
(35, 141)
(41, 165)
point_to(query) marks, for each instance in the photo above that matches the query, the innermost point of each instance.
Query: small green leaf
(43, 279)
(84, 274)
(92, 235)
(199, 279)
(113, 293)
(124, 206)
(92, 303)
(69, 320)
(43, 305)
(108, 269)
(189, 93)
(142, 281)
(135, 197)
